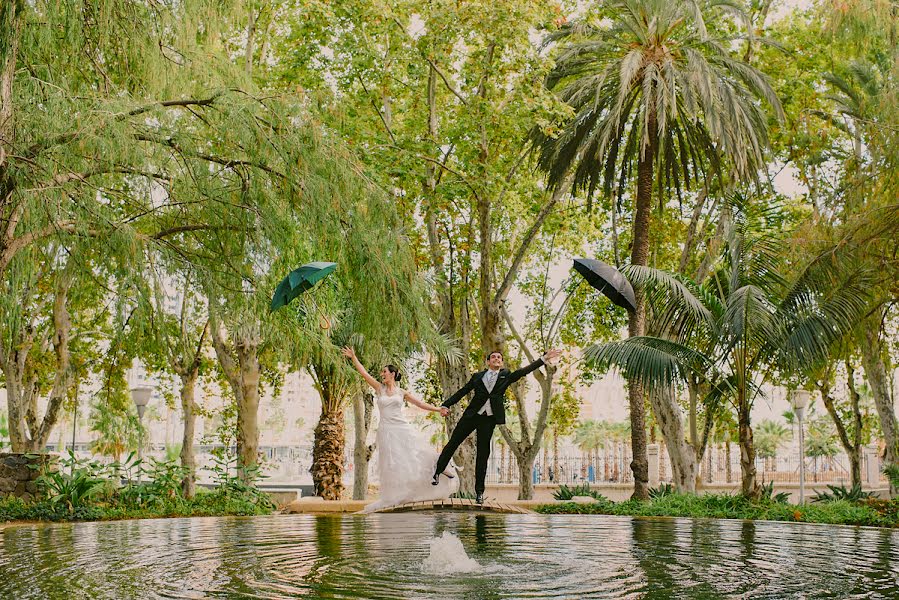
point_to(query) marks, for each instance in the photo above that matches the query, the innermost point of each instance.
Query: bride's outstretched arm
(422, 405)
(351, 354)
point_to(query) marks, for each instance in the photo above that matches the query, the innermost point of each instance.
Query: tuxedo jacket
(504, 379)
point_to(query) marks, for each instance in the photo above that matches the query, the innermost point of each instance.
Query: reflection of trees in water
(664, 551)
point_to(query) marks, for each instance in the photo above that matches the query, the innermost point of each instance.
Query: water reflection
(380, 556)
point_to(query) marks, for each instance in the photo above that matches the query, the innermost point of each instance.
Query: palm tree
(821, 442)
(746, 324)
(652, 93)
(769, 436)
(590, 436)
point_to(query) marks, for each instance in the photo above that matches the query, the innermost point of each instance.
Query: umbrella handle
(323, 321)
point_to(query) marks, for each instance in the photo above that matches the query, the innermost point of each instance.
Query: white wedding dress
(406, 460)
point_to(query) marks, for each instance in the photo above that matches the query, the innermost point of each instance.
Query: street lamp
(141, 397)
(799, 400)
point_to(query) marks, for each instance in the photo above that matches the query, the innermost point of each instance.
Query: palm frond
(650, 360)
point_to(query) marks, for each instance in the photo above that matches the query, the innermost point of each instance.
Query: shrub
(769, 495)
(839, 492)
(666, 489)
(567, 493)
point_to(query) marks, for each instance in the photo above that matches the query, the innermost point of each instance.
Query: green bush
(839, 492)
(84, 490)
(874, 512)
(567, 493)
(769, 495)
(666, 489)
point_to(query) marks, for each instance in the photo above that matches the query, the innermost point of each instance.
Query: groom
(485, 411)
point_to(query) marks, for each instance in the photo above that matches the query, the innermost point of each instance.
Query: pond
(419, 555)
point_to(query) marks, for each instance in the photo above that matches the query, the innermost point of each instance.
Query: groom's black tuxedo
(504, 379)
(473, 420)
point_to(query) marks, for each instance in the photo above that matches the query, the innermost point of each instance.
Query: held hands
(444, 411)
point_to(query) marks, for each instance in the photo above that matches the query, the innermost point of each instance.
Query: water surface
(384, 556)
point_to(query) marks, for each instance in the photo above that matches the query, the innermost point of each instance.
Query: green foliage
(650, 67)
(892, 473)
(4, 430)
(767, 494)
(241, 482)
(567, 493)
(71, 490)
(90, 490)
(666, 489)
(881, 513)
(839, 492)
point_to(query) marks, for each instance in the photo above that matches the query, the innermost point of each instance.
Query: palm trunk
(327, 455)
(637, 322)
(872, 352)
(747, 451)
(188, 461)
(362, 452)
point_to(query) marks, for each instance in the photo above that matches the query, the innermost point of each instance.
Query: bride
(405, 458)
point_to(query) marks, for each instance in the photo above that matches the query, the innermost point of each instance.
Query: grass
(871, 512)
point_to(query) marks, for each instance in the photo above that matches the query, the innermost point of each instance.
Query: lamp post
(799, 400)
(141, 397)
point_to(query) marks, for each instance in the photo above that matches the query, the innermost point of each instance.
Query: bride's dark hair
(396, 373)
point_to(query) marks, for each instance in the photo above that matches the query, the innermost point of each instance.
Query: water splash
(447, 555)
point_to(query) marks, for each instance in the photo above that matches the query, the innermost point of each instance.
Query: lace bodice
(391, 406)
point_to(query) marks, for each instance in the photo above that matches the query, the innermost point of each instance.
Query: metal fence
(718, 466)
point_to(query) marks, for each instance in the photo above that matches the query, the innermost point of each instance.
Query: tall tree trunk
(362, 450)
(327, 454)
(11, 17)
(248, 404)
(682, 456)
(251, 40)
(555, 454)
(873, 351)
(189, 415)
(853, 452)
(637, 322)
(525, 476)
(243, 377)
(728, 470)
(855, 456)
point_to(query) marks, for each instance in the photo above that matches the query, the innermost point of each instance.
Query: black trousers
(484, 425)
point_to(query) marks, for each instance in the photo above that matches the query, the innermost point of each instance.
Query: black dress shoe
(435, 480)
(479, 499)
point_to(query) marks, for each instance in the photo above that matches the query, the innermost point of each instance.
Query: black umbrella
(608, 280)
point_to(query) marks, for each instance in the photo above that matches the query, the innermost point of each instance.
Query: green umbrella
(300, 280)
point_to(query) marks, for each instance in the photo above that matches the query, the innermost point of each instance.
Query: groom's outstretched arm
(516, 375)
(549, 355)
(462, 392)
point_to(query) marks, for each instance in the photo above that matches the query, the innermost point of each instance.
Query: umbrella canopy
(608, 280)
(300, 280)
